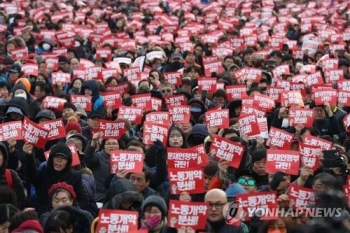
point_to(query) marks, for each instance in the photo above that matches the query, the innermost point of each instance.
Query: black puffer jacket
(128, 196)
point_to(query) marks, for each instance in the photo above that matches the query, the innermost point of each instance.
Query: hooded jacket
(118, 187)
(99, 163)
(97, 100)
(33, 108)
(43, 178)
(17, 102)
(17, 182)
(128, 196)
(89, 184)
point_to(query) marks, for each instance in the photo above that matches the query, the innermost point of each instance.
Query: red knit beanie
(65, 186)
(73, 124)
(29, 225)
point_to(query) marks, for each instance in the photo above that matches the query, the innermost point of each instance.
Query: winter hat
(29, 225)
(45, 114)
(155, 200)
(72, 124)
(61, 149)
(234, 189)
(65, 186)
(277, 179)
(258, 155)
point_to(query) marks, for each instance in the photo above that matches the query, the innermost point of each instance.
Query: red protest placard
(120, 88)
(153, 132)
(175, 100)
(142, 101)
(346, 121)
(158, 118)
(156, 104)
(111, 99)
(282, 160)
(217, 118)
(174, 78)
(20, 53)
(207, 84)
(334, 75)
(252, 202)
(280, 70)
(248, 124)
(252, 74)
(106, 73)
(61, 77)
(55, 103)
(55, 128)
(52, 63)
(187, 214)
(112, 129)
(104, 53)
(316, 141)
(11, 130)
(34, 134)
(236, 92)
(346, 190)
(275, 93)
(314, 79)
(263, 102)
(30, 69)
(121, 221)
(344, 98)
(292, 99)
(131, 161)
(179, 114)
(323, 96)
(189, 180)
(309, 155)
(203, 159)
(279, 138)
(222, 148)
(300, 197)
(84, 101)
(330, 64)
(134, 115)
(301, 116)
(182, 158)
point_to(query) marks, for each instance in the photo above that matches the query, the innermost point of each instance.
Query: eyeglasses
(166, 91)
(244, 181)
(216, 205)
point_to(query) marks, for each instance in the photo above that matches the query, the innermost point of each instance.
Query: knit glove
(151, 222)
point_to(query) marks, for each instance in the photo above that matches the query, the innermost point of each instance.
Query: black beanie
(258, 155)
(277, 179)
(61, 149)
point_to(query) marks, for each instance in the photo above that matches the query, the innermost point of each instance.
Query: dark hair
(58, 221)
(211, 169)
(70, 105)
(229, 131)
(73, 81)
(161, 78)
(220, 93)
(7, 196)
(56, 191)
(310, 129)
(228, 57)
(21, 217)
(43, 87)
(276, 53)
(326, 179)
(136, 144)
(110, 79)
(7, 212)
(172, 128)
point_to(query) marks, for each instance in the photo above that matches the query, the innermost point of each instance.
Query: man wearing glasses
(247, 179)
(216, 199)
(166, 89)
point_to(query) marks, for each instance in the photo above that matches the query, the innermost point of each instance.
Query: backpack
(8, 177)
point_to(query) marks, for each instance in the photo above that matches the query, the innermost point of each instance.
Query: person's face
(77, 84)
(319, 113)
(230, 135)
(68, 112)
(259, 167)
(216, 204)
(277, 59)
(10, 47)
(166, 91)
(228, 62)
(187, 88)
(197, 95)
(63, 66)
(16, 116)
(190, 58)
(4, 228)
(156, 64)
(248, 183)
(13, 76)
(93, 122)
(152, 211)
(40, 79)
(289, 63)
(238, 111)
(193, 74)
(155, 76)
(144, 84)
(139, 181)
(207, 180)
(70, 55)
(62, 198)
(119, 23)
(110, 145)
(175, 139)
(4, 93)
(26, 36)
(318, 186)
(278, 225)
(38, 93)
(59, 162)
(74, 63)
(219, 100)
(43, 119)
(88, 92)
(186, 127)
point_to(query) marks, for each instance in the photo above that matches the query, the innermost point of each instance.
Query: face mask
(22, 95)
(77, 44)
(75, 90)
(46, 46)
(196, 109)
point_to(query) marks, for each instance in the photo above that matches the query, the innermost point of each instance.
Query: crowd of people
(174, 79)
